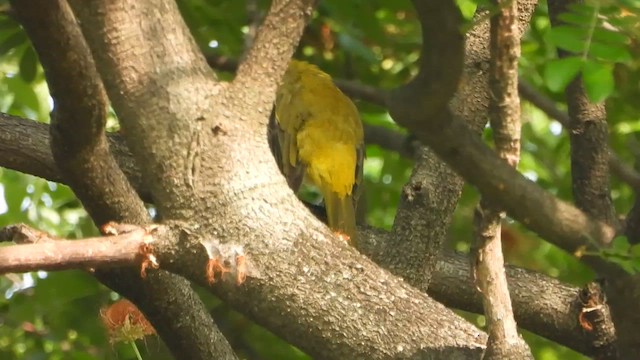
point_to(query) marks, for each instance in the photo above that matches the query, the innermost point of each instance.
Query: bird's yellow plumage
(320, 137)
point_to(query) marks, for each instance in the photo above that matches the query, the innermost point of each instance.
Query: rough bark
(207, 161)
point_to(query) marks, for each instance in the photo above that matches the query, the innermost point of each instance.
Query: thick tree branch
(414, 258)
(180, 250)
(78, 141)
(81, 152)
(590, 157)
(24, 147)
(269, 56)
(159, 85)
(542, 305)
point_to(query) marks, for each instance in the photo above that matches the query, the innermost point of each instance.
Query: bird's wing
(357, 186)
(284, 148)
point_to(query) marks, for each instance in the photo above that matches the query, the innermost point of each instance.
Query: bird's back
(326, 125)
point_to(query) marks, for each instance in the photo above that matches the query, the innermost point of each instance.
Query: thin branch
(364, 92)
(392, 140)
(504, 115)
(38, 251)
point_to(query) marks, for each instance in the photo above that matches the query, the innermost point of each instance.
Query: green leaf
(609, 52)
(620, 245)
(29, 65)
(8, 23)
(467, 8)
(574, 18)
(12, 41)
(598, 80)
(631, 3)
(559, 73)
(610, 37)
(635, 251)
(570, 38)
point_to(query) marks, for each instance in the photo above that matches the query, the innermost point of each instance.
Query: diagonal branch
(273, 45)
(456, 143)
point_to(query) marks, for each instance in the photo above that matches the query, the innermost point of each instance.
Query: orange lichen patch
(148, 259)
(215, 266)
(343, 237)
(109, 228)
(125, 322)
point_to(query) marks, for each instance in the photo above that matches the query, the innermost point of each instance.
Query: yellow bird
(320, 137)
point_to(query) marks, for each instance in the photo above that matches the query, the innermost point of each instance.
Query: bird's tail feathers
(341, 214)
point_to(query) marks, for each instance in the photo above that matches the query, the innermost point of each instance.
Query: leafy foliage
(56, 315)
(595, 34)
